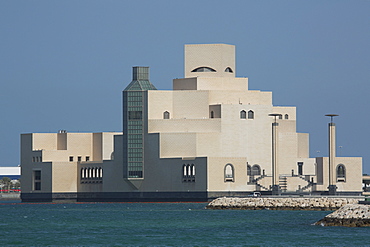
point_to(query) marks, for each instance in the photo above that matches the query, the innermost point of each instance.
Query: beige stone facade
(209, 136)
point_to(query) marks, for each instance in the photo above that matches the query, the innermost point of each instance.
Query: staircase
(283, 183)
(309, 183)
(259, 187)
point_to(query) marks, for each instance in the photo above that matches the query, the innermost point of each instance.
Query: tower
(135, 100)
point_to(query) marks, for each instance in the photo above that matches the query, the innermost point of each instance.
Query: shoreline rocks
(290, 203)
(351, 215)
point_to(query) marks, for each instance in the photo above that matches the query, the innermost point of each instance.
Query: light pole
(275, 173)
(332, 187)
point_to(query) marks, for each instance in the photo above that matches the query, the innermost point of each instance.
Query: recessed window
(135, 115)
(87, 158)
(300, 168)
(229, 173)
(203, 69)
(280, 116)
(79, 158)
(37, 180)
(341, 173)
(250, 114)
(286, 116)
(70, 158)
(256, 170)
(228, 69)
(243, 114)
(166, 115)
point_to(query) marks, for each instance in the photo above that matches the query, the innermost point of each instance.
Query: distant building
(14, 173)
(208, 137)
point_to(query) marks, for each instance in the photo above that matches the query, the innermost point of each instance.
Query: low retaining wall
(319, 203)
(352, 215)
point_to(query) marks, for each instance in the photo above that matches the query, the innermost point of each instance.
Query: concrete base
(276, 190)
(332, 190)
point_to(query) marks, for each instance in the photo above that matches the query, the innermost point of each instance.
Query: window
(37, 180)
(135, 115)
(256, 170)
(249, 170)
(286, 116)
(300, 168)
(188, 173)
(166, 115)
(280, 116)
(212, 114)
(243, 114)
(33, 159)
(70, 158)
(79, 158)
(87, 158)
(228, 69)
(250, 114)
(229, 173)
(203, 69)
(341, 173)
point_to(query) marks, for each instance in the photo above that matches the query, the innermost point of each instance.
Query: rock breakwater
(316, 203)
(351, 215)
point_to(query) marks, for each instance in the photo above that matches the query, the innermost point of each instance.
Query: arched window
(184, 171)
(341, 173)
(193, 170)
(101, 172)
(256, 170)
(229, 173)
(188, 170)
(250, 114)
(249, 170)
(243, 114)
(212, 114)
(228, 69)
(286, 116)
(280, 116)
(166, 115)
(203, 69)
(82, 173)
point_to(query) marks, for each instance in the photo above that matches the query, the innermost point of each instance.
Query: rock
(313, 203)
(351, 215)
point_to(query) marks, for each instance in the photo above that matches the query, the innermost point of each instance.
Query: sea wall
(313, 203)
(351, 215)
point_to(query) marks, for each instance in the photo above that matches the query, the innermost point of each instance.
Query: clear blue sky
(63, 64)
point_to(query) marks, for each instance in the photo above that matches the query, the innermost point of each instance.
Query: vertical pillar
(332, 176)
(332, 147)
(275, 168)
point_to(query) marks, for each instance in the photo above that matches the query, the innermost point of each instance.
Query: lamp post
(275, 173)
(332, 187)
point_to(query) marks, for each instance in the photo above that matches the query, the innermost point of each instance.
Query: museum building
(208, 137)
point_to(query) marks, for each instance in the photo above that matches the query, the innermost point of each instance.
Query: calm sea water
(166, 224)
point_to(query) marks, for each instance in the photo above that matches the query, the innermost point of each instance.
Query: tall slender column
(275, 168)
(332, 148)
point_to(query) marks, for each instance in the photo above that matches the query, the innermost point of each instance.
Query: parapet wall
(319, 203)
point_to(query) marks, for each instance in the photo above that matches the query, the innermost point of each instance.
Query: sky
(64, 64)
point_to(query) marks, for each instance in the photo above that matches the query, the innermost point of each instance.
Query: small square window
(70, 158)
(87, 158)
(79, 158)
